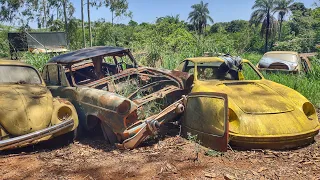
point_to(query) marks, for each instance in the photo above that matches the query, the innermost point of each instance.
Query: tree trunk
(65, 19)
(89, 22)
(44, 14)
(280, 29)
(267, 32)
(82, 19)
(112, 18)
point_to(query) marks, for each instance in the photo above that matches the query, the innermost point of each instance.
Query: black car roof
(86, 53)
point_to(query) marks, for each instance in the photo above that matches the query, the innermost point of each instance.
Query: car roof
(208, 59)
(281, 52)
(14, 62)
(85, 53)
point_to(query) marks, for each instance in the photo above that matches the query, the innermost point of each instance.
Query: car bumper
(273, 142)
(277, 70)
(31, 137)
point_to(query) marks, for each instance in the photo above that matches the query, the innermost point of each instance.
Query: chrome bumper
(28, 138)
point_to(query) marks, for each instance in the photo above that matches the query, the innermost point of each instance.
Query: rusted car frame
(118, 94)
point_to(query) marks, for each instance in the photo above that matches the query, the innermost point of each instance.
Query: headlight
(233, 121)
(124, 107)
(64, 113)
(309, 111)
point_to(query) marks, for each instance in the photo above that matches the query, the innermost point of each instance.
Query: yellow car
(28, 112)
(260, 113)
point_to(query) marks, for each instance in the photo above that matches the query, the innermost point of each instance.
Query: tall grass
(36, 60)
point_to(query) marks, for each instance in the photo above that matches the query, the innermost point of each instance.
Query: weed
(213, 153)
(194, 139)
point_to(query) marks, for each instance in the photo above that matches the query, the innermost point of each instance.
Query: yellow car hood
(24, 108)
(256, 98)
(251, 97)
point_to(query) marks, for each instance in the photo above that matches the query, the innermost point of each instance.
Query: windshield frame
(25, 66)
(246, 61)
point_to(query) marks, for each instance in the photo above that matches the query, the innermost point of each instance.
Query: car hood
(24, 108)
(265, 62)
(252, 97)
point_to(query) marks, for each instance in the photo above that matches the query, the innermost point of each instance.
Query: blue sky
(149, 10)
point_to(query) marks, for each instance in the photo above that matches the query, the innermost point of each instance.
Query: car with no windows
(109, 89)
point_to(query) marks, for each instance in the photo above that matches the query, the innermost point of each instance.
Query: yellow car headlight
(234, 122)
(64, 113)
(309, 111)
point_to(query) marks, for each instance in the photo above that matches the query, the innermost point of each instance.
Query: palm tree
(283, 8)
(263, 13)
(199, 16)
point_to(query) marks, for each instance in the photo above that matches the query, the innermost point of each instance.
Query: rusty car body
(261, 113)
(108, 88)
(29, 114)
(283, 61)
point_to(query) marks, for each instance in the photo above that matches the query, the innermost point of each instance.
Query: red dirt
(171, 158)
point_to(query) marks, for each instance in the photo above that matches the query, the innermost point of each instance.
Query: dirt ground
(172, 157)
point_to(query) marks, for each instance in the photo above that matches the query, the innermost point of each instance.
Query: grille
(278, 66)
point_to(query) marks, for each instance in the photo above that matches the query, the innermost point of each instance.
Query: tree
(56, 25)
(18, 10)
(200, 16)
(82, 25)
(118, 8)
(237, 26)
(89, 22)
(169, 19)
(283, 8)
(263, 13)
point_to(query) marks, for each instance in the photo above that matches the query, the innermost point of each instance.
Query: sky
(149, 10)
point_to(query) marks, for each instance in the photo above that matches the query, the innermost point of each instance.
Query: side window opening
(249, 73)
(53, 77)
(189, 67)
(181, 66)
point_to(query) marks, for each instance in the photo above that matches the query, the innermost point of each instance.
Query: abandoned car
(261, 113)
(29, 114)
(108, 88)
(283, 61)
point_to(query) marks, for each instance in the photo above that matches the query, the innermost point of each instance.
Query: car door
(56, 81)
(206, 115)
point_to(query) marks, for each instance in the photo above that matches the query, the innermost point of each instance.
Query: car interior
(84, 72)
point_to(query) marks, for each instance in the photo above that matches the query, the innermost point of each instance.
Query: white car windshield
(18, 75)
(284, 56)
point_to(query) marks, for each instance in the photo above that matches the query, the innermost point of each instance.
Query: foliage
(199, 16)
(263, 13)
(37, 60)
(283, 8)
